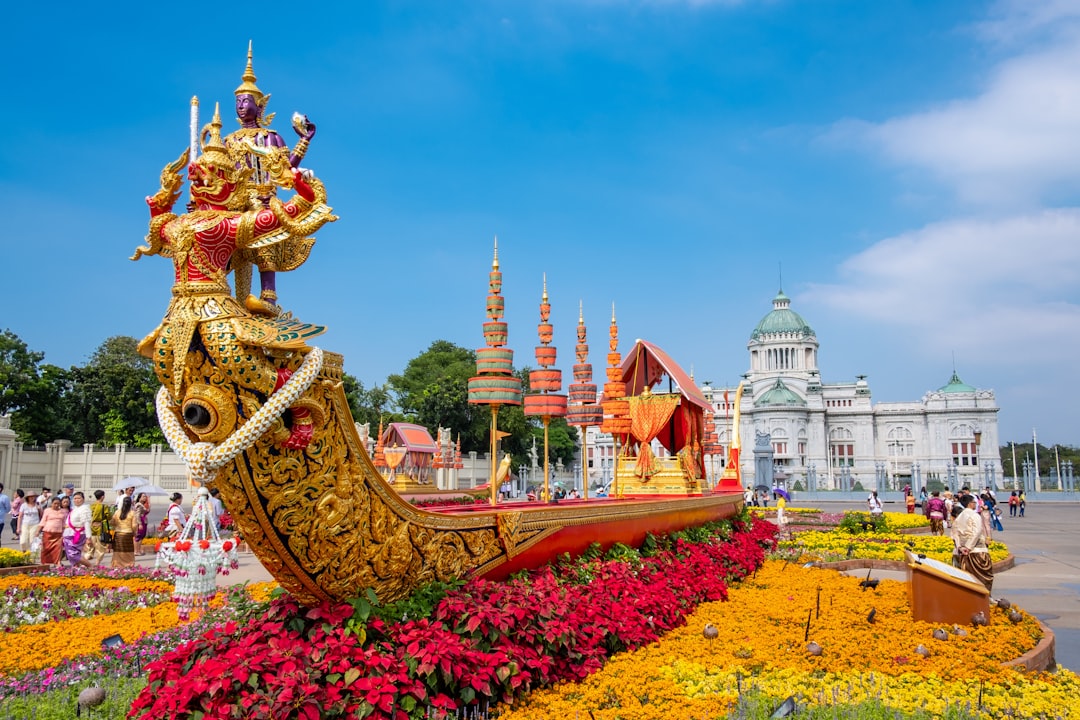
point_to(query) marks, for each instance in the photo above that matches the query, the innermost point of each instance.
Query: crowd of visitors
(65, 528)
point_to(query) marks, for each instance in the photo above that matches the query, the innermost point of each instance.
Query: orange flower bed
(760, 644)
(34, 647)
(46, 582)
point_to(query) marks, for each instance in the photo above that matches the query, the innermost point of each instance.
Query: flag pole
(1035, 449)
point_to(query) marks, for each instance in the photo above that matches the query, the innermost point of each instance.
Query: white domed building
(832, 435)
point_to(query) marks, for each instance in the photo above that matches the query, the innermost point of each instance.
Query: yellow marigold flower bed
(13, 558)
(46, 582)
(878, 546)
(260, 591)
(34, 647)
(760, 644)
(761, 511)
(906, 521)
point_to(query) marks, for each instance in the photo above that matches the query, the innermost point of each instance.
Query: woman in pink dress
(52, 532)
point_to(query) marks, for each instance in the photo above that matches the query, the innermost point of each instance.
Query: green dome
(782, 319)
(956, 385)
(779, 395)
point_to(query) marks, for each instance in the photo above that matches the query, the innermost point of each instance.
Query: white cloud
(1013, 21)
(989, 289)
(1014, 143)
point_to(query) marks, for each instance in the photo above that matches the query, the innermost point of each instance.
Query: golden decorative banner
(648, 416)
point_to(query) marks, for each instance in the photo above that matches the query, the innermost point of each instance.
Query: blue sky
(913, 166)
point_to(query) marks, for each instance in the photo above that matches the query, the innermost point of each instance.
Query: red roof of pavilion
(415, 438)
(646, 364)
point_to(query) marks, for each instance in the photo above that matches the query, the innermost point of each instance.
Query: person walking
(5, 510)
(16, 505)
(972, 543)
(29, 521)
(935, 511)
(96, 545)
(77, 529)
(175, 518)
(123, 525)
(873, 503)
(1013, 502)
(52, 532)
(142, 512)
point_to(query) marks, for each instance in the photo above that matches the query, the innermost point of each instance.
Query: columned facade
(951, 434)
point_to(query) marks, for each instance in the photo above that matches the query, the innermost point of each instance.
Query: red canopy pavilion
(666, 406)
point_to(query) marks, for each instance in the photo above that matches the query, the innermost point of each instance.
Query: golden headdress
(248, 86)
(220, 178)
(214, 151)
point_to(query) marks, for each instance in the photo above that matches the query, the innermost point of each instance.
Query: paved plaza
(1045, 581)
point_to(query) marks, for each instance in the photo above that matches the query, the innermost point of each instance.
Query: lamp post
(895, 445)
(978, 441)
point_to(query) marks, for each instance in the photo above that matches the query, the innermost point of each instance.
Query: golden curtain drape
(394, 456)
(648, 416)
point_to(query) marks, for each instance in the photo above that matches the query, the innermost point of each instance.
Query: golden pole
(547, 472)
(618, 487)
(585, 459)
(494, 459)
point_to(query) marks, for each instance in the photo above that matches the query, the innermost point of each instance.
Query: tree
(368, 406)
(433, 391)
(47, 416)
(19, 373)
(113, 396)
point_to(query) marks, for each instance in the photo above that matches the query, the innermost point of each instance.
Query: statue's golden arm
(161, 203)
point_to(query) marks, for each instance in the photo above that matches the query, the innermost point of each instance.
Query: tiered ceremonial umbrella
(583, 410)
(545, 402)
(731, 479)
(380, 455)
(495, 384)
(616, 406)
(711, 445)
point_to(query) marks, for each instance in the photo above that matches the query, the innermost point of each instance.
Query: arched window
(901, 442)
(841, 447)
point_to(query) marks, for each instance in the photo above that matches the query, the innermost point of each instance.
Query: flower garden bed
(448, 648)
(618, 636)
(54, 621)
(761, 650)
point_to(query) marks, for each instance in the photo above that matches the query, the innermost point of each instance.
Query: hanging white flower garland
(196, 557)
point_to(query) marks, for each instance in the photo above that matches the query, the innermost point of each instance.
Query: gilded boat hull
(327, 525)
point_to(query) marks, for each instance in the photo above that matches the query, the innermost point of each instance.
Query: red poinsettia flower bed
(486, 640)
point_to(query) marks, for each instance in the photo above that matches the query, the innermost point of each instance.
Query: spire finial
(495, 262)
(211, 133)
(613, 313)
(580, 312)
(248, 86)
(780, 272)
(545, 288)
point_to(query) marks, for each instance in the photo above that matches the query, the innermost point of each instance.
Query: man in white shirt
(177, 518)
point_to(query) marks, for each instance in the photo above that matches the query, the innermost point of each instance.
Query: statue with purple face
(254, 139)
